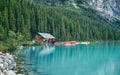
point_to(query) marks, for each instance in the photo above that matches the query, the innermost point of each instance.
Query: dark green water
(93, 59)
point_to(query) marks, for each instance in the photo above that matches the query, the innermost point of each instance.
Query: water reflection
(94, 59)
(47, 49)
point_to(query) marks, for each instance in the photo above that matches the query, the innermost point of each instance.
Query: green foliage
(20, 20)
(12, 35)
(26, 43)
(80, 1)
(1, 33)
(4, 48)
(63, 1)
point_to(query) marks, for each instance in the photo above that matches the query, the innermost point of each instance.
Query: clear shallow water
(94, 59)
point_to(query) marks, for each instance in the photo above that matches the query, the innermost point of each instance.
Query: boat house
(45, 37)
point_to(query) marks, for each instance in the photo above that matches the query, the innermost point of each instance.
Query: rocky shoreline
(8, 65)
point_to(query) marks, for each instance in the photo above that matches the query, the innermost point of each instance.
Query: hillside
(110, 8)
(28, 18)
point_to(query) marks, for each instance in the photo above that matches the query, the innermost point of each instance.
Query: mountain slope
(109, 7)
(65, 24)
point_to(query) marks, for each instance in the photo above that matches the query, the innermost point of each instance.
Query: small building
(45, 37)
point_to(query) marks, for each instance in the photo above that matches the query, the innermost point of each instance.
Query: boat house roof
(46, 35)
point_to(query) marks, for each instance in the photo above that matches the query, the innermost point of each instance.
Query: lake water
(92, 59)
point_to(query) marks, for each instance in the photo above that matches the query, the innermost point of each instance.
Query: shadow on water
(93, 59)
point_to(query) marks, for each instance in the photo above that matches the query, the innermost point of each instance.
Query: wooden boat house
(45, 37)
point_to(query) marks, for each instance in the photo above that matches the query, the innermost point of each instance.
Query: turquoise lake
(92, 59)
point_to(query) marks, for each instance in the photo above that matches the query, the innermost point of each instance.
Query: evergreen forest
(21, 20)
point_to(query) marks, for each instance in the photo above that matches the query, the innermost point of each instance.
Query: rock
(1, 60)
(5, 64)
(7, 54)
(21, 47)
(8, 64)
(9, 61)
(1, 53)
(1, 65)
(19, 74)
(1, 73)
(10, 72)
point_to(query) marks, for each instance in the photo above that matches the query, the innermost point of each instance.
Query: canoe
(70, 43)
(58, 43)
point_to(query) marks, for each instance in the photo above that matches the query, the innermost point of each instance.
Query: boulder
(1, 65)
(1, 73)
(1, 53)
(10, 72)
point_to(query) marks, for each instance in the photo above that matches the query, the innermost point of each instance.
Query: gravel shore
(8, 65)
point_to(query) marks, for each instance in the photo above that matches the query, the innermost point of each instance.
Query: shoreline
(9, 65)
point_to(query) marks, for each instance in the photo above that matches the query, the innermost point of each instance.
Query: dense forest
(22, 19)
(54, 2)
(77, 3)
